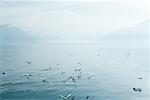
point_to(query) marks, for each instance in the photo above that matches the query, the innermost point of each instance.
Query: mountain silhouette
(10, 35)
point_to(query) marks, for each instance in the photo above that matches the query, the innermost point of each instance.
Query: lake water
(104, 73)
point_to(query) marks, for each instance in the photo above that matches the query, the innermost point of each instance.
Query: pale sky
(73, 19)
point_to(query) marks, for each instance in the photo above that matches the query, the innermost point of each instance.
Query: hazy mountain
(136, 36)
(14, 35)
(138, 31)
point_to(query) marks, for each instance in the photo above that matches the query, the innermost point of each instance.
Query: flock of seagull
(138, 89)
(68, 96)
(74, 79)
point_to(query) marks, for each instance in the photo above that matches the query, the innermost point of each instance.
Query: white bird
(65, 97)
(44, 80)
(26, 75)
(71, 78)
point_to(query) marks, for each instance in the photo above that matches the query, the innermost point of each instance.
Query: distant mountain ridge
(139, 31)
(10, 35)
(132, 37)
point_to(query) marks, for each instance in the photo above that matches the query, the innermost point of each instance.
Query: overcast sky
(72, 19)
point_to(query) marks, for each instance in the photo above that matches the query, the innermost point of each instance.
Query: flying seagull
(70, 78)
(66, 97)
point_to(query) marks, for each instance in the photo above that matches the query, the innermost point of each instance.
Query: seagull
(72, 78)
(87, 97)
(98, 54)
(137, 89)
(3, 73)
(79, 75)
(49, 68)
(44, 80)
(79, 70)
(91, 76)
(26, 75)
(75, 70)
(128, 54)
(62, 73)
(66, 97)
(140, 78)
(28, 62)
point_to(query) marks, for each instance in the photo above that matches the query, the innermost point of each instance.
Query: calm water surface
(105, 73)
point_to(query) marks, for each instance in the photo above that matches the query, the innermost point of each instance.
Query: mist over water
(74, 50)
(105, 73)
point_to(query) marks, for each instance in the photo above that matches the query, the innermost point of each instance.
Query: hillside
(14, 35)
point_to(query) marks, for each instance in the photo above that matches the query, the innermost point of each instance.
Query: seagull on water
(140, 78)
(87, 97)
(3, 73)
(62, 73)
(26, 75)
(70, 78)
(91, 76)
(44, 80)
(28, 62)
(137, 89)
